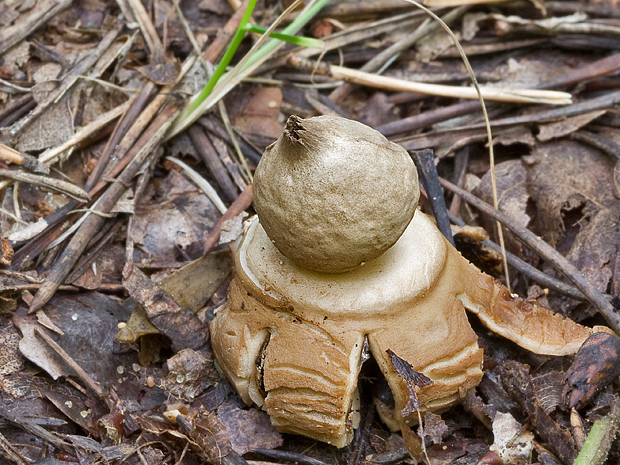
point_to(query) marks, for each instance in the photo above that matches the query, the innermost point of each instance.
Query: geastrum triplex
(338, 253)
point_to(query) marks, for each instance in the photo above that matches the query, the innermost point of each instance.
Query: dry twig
(57, 185)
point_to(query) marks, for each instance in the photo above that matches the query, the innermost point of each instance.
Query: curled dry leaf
(7, 252)
(209, 437)
(137, 326)
(30, 231)
(232, 228)
(204, 433)
(596, 365)
(576, 210)
(517, 382)
(193, 285)
(412, 378)
(161, 73)
(73, 407)
(182, 223)
(566, 126)
(469, 241)
(88, 325)
(11, 359)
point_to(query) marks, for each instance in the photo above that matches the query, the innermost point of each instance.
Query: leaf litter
(131, 377)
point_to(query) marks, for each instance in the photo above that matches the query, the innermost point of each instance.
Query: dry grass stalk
(445, 3)
(149, 140)
(148, 31)
(202, 183)
(229, 81)
(548, 97)
(384, 58)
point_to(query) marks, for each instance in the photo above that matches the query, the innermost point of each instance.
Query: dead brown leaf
(193, 285)
(52, 128)
(210, 437)
(248, 429)
(89, 323)
(512, 199)
(7, 252)
(576, 210)
(75, 408)
(11, 359)
(517, 382)
(174, 216)
(189, 374)
(161, 73)
(595, 367)
(566, 126)
(258, 117)
(180, 324)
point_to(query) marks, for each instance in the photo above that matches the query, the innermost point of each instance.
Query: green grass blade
(301, 41)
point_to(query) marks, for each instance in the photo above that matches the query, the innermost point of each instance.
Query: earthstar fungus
(290, 339)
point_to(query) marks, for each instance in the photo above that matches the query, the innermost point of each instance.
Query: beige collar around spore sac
(385, 285)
